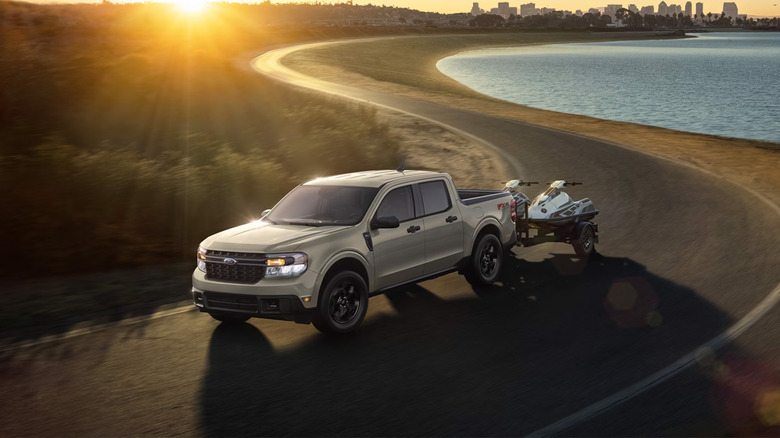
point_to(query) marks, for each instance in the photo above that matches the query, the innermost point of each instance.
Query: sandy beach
(407, 66)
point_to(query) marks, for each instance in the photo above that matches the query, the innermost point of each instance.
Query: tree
(650, 20)
(620, 13)
(488, 20)
(591, 20)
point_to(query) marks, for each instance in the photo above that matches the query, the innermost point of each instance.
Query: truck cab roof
(374, 178)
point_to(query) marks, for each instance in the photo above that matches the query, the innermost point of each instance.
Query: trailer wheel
(486, 261)
(585, 239)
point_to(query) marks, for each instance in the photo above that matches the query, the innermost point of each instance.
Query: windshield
(551, 192)
(323, 205)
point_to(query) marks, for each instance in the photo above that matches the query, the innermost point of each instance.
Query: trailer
(554, 217)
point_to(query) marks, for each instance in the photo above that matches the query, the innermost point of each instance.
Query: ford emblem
(230, 262)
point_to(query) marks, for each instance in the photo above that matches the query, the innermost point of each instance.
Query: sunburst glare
(191, 6)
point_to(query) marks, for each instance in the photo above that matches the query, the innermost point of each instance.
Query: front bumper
(286, 307)
(290, 299)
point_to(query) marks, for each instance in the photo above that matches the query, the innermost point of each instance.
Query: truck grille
(235, 302)
(235, 273)
(235, 267)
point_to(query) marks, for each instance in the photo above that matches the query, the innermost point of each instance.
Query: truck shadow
(550, 338)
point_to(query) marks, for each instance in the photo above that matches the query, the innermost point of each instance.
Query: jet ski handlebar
(570, 183)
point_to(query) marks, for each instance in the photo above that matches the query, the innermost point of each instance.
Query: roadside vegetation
(128, 133)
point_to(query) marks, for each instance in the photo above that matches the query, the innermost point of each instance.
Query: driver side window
(398, 203)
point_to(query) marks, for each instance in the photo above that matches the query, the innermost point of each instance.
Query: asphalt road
(682, 257)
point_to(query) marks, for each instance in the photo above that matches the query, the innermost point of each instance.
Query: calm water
(722, 83)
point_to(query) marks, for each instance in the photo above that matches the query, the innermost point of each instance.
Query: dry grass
(407, 66)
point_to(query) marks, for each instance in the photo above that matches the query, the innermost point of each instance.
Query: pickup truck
(333, 242)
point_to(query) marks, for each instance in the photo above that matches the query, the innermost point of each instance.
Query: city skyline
(505, 10)
(751, 8)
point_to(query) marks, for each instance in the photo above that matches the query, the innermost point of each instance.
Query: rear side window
(398, 203)
(435, 197)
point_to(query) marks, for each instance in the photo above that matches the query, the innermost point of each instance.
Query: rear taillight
(513, 207)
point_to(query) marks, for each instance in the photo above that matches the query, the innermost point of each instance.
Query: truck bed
(473, 196)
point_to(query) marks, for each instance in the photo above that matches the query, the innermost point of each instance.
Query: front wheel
(585, 240)
(486, 261)
(342, 305)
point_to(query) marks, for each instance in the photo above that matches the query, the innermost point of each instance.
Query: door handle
(413, 229)
(451, 219)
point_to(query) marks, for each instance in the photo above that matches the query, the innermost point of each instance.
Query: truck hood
(265, 237)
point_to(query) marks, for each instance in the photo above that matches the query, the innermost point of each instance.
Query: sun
(191, 6)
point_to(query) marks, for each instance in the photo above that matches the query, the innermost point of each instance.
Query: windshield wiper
(306, 224)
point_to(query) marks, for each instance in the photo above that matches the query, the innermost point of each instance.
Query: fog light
(197, 297)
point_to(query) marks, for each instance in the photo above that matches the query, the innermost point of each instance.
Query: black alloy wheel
(343, 304)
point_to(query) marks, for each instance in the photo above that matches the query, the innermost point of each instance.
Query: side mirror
(385, 222)
(265, 212)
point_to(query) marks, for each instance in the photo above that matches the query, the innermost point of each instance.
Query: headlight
(201, 259)
(286, 265)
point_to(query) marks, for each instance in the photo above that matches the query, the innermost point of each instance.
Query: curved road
(683, 257)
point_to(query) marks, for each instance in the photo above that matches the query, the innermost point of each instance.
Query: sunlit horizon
(191, 6)
(752, 8)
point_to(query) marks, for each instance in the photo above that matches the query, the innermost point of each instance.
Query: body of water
(719, 83)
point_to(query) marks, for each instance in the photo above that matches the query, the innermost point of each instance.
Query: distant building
(633, 8)
(594, 11)
(475, 10)
(647, 10)
(688, 9)
(730, 9)
(611, 10)
(662, 8)
(504, 10)
(545, 11)
(699, 9)
(528, 9)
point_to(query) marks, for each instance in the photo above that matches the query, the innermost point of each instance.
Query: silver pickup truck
(333, 242)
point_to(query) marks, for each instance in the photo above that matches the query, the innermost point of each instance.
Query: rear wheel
(585, 241)
(342, 305)
(229, 318)
(486, 261)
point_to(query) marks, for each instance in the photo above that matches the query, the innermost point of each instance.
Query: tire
(585, 240)
(486, 261)
(342, 305)
(229, 318)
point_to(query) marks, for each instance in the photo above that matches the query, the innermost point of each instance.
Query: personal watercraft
(521, 200)
(555, 216)
(554, 208)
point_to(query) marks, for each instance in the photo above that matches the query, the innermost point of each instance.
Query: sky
(760, 8)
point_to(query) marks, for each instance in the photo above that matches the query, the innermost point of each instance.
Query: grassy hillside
(129, 132)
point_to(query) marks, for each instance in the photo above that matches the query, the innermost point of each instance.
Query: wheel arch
(347, 260)
(487, 226)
